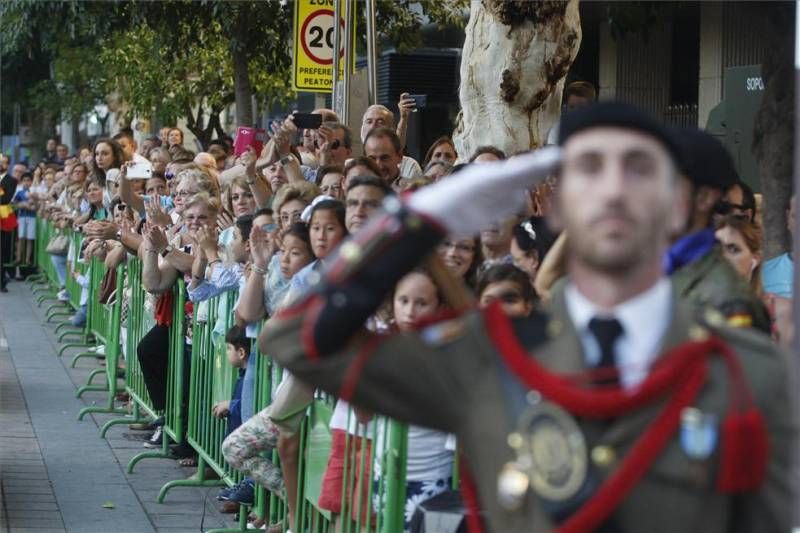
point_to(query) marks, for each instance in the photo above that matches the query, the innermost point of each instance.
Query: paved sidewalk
(56, 473)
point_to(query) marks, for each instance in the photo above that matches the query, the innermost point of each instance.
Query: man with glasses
(330, 180)
(695, 260)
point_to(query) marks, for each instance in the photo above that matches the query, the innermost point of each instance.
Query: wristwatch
(167, 250)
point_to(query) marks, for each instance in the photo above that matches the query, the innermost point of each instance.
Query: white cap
(112, 174)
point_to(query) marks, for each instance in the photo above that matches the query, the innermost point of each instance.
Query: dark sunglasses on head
(727, 208)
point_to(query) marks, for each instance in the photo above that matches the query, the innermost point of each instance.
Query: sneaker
(225, 493)
(63, 295)
(245, 493)
(99, 350)
(155, 440)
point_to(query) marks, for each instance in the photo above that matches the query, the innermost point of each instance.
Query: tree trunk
(241, 76)
(773, 138)
(515, 58)
(195, 124)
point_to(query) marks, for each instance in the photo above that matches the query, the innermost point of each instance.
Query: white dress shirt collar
(644, 319)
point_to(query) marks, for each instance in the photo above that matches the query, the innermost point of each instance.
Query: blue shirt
(23, 195)
(235, 405)
(777, 275)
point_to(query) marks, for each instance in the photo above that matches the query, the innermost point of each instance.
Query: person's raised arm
(282, 136)
(156, 278)
(255, 180)
(406, 105)
(251, 300)
(126, 193)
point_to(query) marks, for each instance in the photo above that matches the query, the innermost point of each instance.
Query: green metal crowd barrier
(211, 381)
(374, 489)
(40, 255)
(174, 427)
(79, 337)
(106, 328)
(135, 325)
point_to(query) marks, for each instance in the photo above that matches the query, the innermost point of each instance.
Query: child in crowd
(531, 240)
(242, 448)
(26, 219)
(430, 452)
(238, 351)
(510, 286)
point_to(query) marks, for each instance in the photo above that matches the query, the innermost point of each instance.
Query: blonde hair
(212, 203)
(200, 177)
(303, 191)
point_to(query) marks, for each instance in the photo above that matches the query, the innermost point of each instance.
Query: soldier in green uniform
(617, 409)
(699, 271)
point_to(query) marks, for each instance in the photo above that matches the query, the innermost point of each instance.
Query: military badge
(552, 457)
(698, 433)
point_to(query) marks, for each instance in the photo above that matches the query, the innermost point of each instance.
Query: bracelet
(258, 270)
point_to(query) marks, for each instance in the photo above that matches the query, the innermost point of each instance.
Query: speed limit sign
(313, 45)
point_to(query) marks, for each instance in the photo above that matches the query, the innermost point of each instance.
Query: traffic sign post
(314, 44)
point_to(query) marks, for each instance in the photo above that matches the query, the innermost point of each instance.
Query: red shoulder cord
(679, 376)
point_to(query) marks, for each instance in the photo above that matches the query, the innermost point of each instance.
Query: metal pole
(336, 46)
(372, 58)
(348, 60)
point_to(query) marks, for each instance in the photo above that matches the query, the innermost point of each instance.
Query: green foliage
(400, 21)
(167, 58)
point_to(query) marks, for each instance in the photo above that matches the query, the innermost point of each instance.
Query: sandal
(188, 461)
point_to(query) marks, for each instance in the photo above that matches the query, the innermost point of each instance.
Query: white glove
(481, 195)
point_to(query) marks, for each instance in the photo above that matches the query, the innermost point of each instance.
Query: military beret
(705, 160)
(621, 115)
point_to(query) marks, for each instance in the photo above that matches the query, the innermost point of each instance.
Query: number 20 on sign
(313, 45)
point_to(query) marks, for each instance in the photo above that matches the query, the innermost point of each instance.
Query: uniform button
(698, 333)
(554, 328)
(603, 456)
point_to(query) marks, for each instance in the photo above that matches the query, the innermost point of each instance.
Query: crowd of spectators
(263, 224)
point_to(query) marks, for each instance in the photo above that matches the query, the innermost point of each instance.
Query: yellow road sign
(313, 45)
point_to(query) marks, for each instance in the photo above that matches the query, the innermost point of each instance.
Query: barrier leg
(49, 295)
(242, 523)
(61, 307)
(81, 355)
(163, 454)
(91, 386)
(198, 479)
(84, 344)
(135, 418)
(61, 315)
(67, 325)
(108, 409)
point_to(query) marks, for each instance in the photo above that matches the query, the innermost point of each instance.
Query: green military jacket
(712, 282)
(449, 376)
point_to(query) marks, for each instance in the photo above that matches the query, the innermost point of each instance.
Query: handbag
(58, 245)
(108, 287)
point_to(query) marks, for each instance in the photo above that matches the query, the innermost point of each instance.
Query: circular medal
(553, 450)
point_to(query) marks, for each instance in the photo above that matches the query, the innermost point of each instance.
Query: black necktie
(606, 331)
